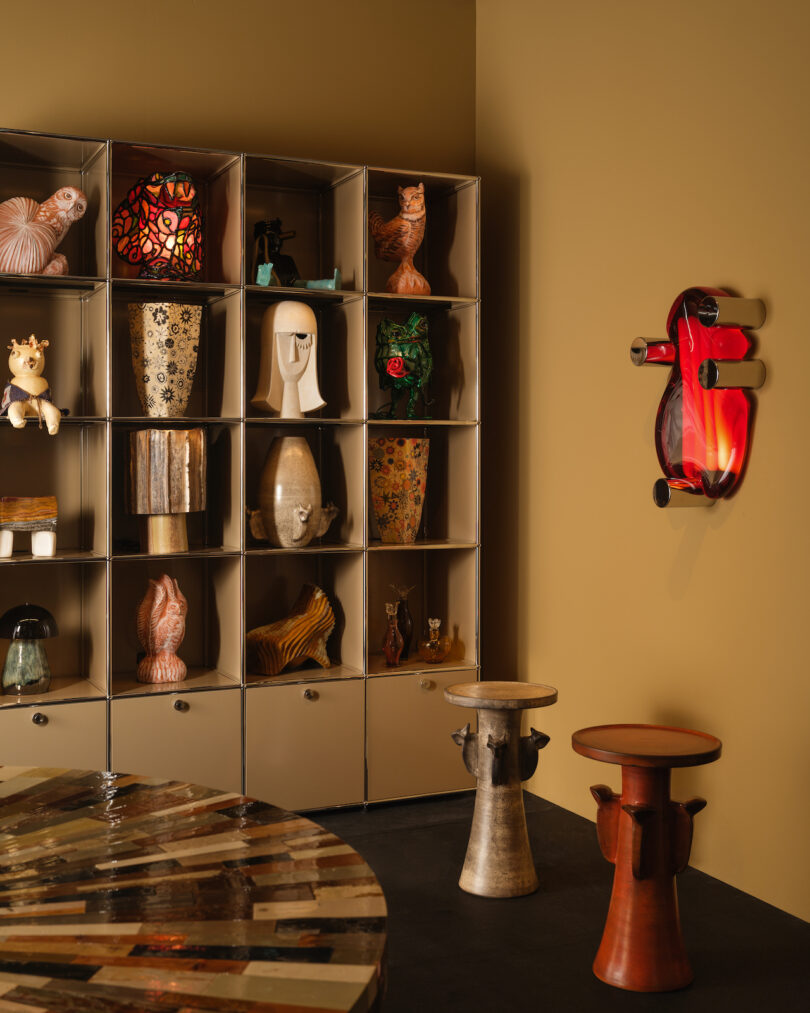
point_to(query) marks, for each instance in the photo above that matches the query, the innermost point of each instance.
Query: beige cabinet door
(409, 724)
(55, 735)
(184, 736)
(304, 744)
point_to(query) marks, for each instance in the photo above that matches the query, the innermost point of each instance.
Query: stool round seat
(501, 695)
(646, 745)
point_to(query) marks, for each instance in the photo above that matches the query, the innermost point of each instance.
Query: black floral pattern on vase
(164, 340)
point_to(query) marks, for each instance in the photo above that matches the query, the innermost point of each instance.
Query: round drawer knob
(426, 684)
(181, 705)
(311, 694)
(40, 719)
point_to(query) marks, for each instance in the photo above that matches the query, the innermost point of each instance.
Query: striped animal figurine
(400, 238)
(36, 514)
(161, 628)
(30, 232)
(300, 636)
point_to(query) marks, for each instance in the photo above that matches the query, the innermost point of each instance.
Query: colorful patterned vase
(398, 477)
(164, 338)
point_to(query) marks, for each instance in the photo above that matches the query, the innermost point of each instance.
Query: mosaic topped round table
(499, 859)
(125, 893)
(648, 838)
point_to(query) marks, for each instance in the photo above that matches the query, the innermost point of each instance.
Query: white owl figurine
(30, 232)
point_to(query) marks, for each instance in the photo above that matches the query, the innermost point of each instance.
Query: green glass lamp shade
(26, 667)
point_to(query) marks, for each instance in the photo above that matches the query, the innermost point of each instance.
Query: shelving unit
(310, 737)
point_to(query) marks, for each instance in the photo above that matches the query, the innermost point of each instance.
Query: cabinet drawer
(187, 737)
(409, 722)
(63, 735)
(304, 744)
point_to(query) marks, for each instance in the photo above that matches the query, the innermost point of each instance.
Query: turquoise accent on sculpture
(26, 669)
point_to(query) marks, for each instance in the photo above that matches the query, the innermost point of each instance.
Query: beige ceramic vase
(290, 495)
(164, 338)
(398, 478)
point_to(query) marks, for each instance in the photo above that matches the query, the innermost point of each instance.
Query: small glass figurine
(436, 648)
(404, 618)
(392, 644)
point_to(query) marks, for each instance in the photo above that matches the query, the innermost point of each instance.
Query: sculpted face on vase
(288, 371)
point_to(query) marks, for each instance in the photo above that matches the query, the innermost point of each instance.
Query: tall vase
(290, 493)
(164, 339)
(398, 479)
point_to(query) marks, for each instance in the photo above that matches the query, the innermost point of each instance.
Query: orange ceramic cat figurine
(400, 238)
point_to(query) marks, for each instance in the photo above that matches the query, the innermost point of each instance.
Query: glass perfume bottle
(436, 647)
(392, 644)
(404, 619)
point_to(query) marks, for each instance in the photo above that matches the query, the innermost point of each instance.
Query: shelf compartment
(218, 527)
(272, 585)
(196, 743)
(72, 466)
(74, 735)
(448, 254)
(444, 586)
(408, 736)
(453, 386)
(450, 512)
(218, 178)
(322, 202)
(340, 458)
(76, 595)
(216, 390)
(340, 356)
(74, 323)
(211, 647)
(36, 165)
(304, 744)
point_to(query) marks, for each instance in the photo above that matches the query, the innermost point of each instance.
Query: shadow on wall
(504, 309)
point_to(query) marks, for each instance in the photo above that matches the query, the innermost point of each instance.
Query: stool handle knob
(40, 719)
(182, 706)
(684, 821)
(498, 747)
(642, 816)
(530, 745)
(469, 747)
(607, 819)
(311, 694)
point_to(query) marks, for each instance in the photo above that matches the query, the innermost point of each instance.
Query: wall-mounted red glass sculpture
(703, 427)
(159, 226)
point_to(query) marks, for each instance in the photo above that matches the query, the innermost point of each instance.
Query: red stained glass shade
(159, 226)
(701, 435)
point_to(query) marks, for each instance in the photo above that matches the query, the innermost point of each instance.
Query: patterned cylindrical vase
(164, 338)
(398, 478)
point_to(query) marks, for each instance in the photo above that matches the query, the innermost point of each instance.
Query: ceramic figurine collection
(159, 228)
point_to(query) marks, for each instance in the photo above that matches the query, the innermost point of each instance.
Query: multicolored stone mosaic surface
(127, 894)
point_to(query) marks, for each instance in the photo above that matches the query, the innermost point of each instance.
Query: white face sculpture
(288, 369)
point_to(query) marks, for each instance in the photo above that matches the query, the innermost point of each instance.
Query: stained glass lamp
(159, 225)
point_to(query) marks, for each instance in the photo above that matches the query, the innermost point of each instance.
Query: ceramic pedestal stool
(648, 838)
(499, 860)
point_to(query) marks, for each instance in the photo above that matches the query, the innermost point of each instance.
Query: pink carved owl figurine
(30, 232)
(161, 628)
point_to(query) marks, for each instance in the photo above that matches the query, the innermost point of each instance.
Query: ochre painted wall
(628, 151)
(357, 81)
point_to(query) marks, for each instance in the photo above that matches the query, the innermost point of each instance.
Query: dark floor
(448, 950)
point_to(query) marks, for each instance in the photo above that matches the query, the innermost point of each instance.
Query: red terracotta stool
(648, 838)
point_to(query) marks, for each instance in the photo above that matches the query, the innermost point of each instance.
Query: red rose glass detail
(396, 367)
